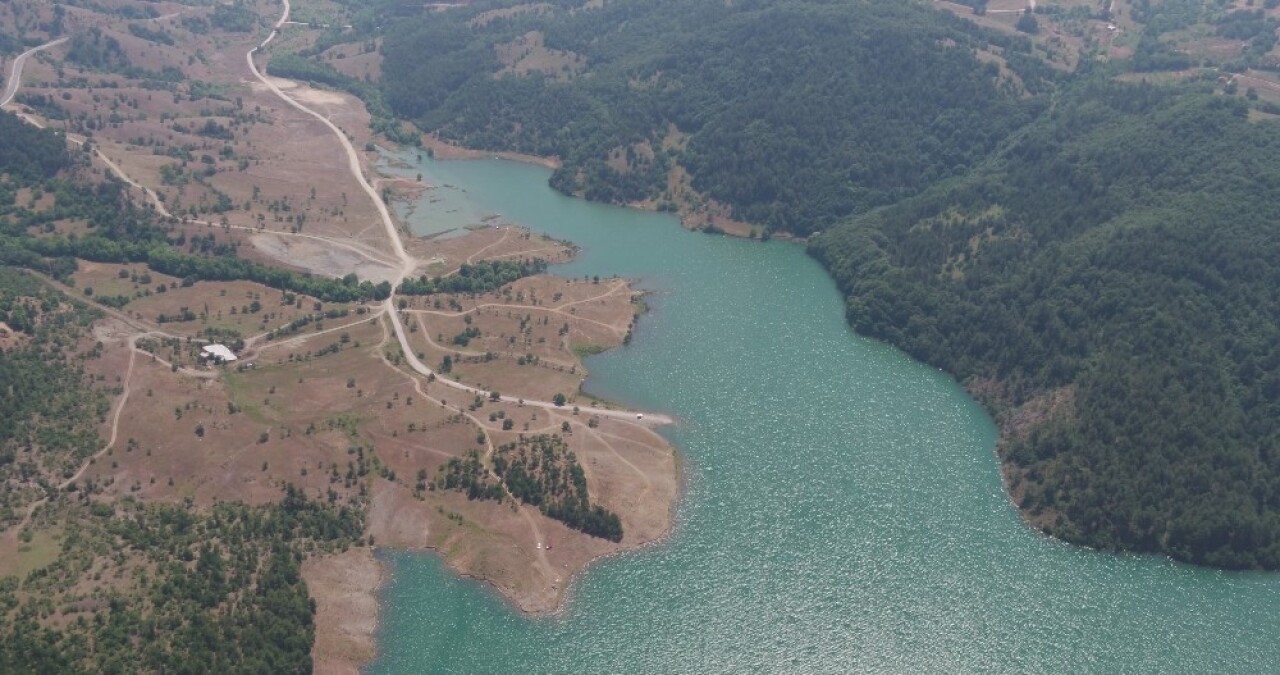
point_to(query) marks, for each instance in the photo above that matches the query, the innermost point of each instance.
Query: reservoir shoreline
(474, 539)
(809, 533)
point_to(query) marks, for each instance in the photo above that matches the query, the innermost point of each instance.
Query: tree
(1027, 22)
(559, 400)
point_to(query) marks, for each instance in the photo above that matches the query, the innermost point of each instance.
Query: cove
(843, 510)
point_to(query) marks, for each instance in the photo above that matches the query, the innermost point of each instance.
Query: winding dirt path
(531, 308)
(158, 204)
(15, 531)
(12, 86)
(15, 73)
(249, 343)
(525, 510)
(505, 231)
(353, 159)
(557, 309)
(408, 263)
(115, 416)
(14, 82)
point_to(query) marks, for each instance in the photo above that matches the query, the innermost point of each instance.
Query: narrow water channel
(843, 510)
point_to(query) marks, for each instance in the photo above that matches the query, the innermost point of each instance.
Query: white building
(220, 352)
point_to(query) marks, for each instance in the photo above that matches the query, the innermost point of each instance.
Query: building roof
(220, 351)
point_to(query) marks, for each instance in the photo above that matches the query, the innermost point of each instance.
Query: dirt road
(15, 73)
(408, 263)
(111, 441)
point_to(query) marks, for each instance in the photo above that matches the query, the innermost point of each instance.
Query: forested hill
(1109, 286)
(795, 113)
(1095, 260)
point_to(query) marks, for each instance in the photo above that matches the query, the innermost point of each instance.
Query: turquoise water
(445, 211)
(843, 510)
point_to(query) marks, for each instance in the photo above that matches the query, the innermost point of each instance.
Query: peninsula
(371, 390)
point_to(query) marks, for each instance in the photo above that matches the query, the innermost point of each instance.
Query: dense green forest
(1118, 253)
(94, 50)
(30, 154)
(480, 277)
(9, 44)
(793, 112)
(221, 592)
(236, 16)
(1094, 260)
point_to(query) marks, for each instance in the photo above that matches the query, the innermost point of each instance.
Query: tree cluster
(119, 231)
(795, 113)
(48, 417)
(468, 474)
(542, 471)
(480, 277)
(1118, 253)
(220, 592)
(29, 153)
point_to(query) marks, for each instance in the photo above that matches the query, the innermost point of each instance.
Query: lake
(843, 508)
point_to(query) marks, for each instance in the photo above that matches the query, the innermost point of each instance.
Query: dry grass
(361, 61)
(257, 170)
(529, 54)
(332, 409)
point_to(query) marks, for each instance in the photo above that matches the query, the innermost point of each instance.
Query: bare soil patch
(323, 258)
(8, 336)
(529, 54)
(362, 61)
(444, 150)
(344, 588)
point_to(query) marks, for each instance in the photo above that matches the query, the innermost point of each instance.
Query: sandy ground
(321, 258)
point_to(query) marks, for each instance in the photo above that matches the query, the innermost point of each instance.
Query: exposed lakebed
(843, 509)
